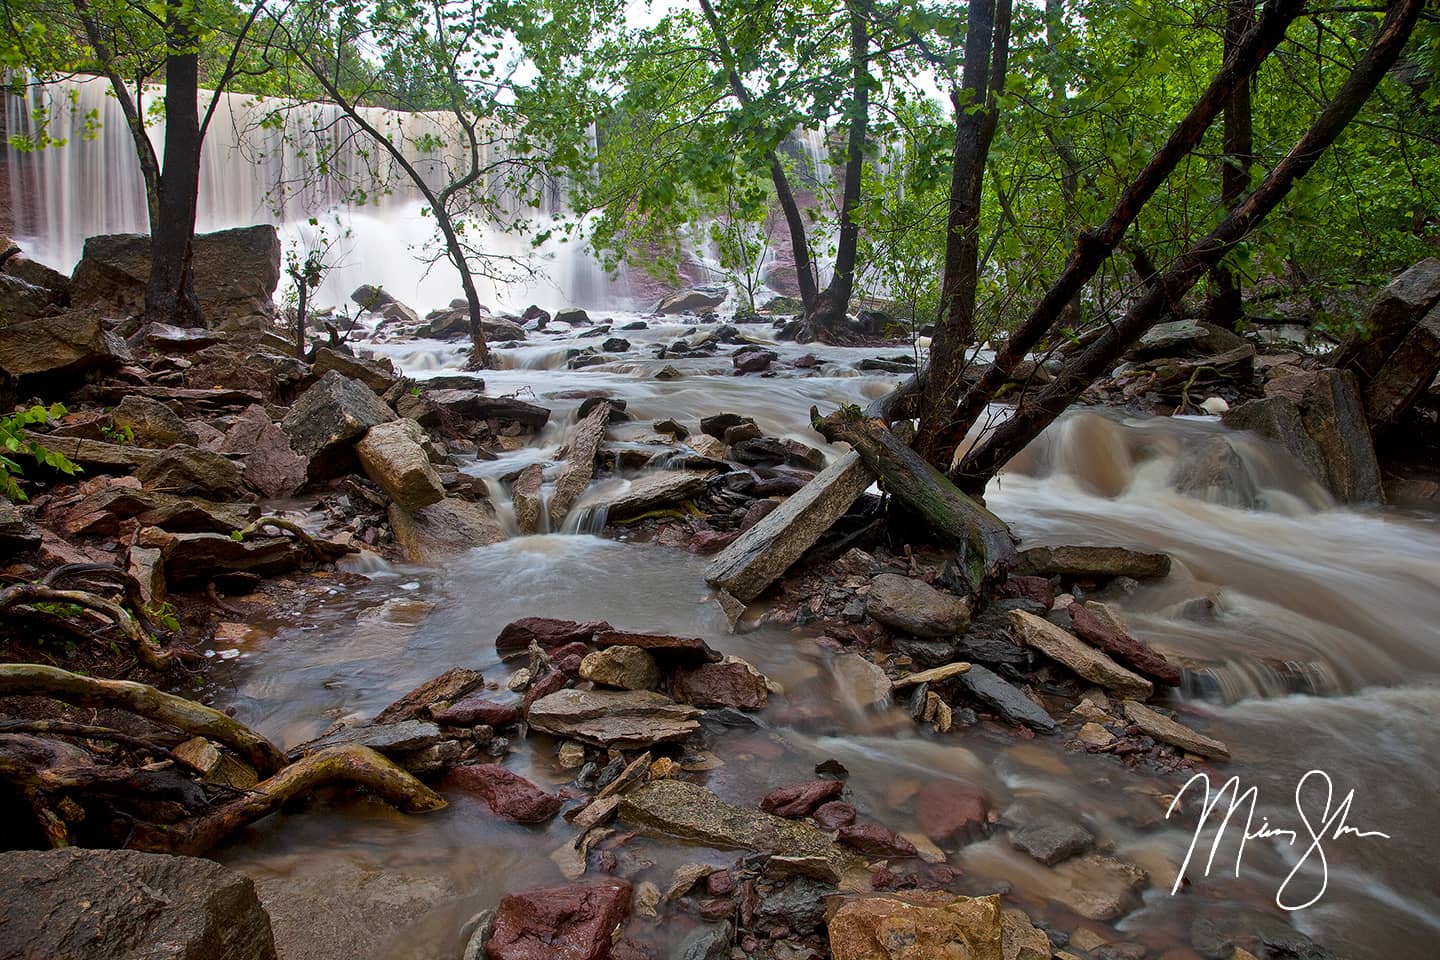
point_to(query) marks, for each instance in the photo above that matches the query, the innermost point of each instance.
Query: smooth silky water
(1309, 632)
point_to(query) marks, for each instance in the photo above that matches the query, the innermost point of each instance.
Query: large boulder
(185, 470)
(70, 343)
(444, 529)
(393, 455)
(696, 300)
(917, 925)
(20, 300)
(126, 905)
(236, 272)
(916, 607)
(1319, 418)
(378, 375)
(272, 467)
(1388, 319)
(1407, 374)
(151, 423)
(327, 419)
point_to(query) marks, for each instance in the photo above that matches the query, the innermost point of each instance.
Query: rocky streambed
(499, 582)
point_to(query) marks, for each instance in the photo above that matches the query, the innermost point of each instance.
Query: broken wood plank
(760, 555)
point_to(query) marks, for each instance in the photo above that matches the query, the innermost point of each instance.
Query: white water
(255, 172)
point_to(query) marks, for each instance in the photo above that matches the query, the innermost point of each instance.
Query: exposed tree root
(323, 553)
(29, 679)
(351, 764)
(145, 648)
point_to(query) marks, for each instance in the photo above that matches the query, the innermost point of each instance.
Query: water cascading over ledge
(253, 171)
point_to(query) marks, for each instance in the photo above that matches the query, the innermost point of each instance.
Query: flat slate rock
(1173, 732)
(1005, 699)
(624, 719)
(670, 648)
(1079, 656)
(1075, 561)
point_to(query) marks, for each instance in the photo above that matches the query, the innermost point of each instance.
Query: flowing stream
(1309, 632)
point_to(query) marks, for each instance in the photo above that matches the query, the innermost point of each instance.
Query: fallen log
(760, 555)
(350, 764)
(987, 548)
(36, 680)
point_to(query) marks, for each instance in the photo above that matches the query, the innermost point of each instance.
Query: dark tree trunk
(170, 294)
(830, 307)
(987, 44)
(1031, 417)
(1094, 247)
(1227, 306)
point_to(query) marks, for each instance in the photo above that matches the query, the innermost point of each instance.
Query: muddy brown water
(1314, 646)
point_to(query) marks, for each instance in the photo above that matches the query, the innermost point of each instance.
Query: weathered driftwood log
(764, 552)
(350, 764)
(145, 647)
(36, 680)
(987, 548)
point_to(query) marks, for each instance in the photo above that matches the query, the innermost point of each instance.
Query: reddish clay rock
(949, 811)
(1104, 632)
(665, 648)
(833, 815)
(559, 923)
(552, 682)
(798, 799)
(478, 710)
(1037, 590)
(507, 794)
(876, 840)
(547, 632)
(733, 683)
(712, 541)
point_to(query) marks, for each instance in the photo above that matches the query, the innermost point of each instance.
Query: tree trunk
(1032, 417)
(987, 44)
(830, 307)
(170, 294)
(987, 549)
(1227, 306)
(1094, 247)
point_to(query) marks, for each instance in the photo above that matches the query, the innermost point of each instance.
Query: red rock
(1036, 589)
(569, 666)
(719, 909)
(569, 650)
(507, 794)
(756, 512)
(691, 650)
(798, 799)
(550, 683)
(876, 840)
(732, 684)
(477, 710)
(720, 883)
(559, 923)
(1123, 647)
(547, 632)
(834, 815)
(949, 811)
(711, 541)
(449, 687)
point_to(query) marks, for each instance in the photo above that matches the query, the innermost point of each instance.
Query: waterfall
(259, 165)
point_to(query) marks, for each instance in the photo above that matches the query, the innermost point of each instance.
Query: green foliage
(16, 442)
